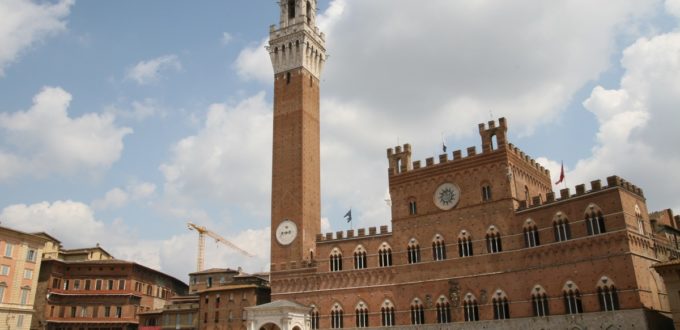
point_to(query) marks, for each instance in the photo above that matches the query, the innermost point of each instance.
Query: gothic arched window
(594, 220)
(417, 312)
(385, 255)
(539, 301)
(336, 316)
(493, 240)
(359, 257)
(561, 227)
(315, 317)
(387, 314)
(443, 310)
(361, 315)
(464, 244)
(607, 295)
(531, 238)
(470, 308)
(572, 298)
(501, 309)
(413, 251)
(438, 248)
(336, 260)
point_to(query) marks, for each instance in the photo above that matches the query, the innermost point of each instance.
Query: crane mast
(202, 231)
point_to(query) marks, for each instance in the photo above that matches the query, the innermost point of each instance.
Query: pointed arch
(413, 251)
(493, 240)
(385, 255)
(443, 310)
(438, 248)
(417, 312)
(572, 298)
(387, 313)
(314, 316)
(359, 257)
(337, 316)
(361, 312)
(594, 220)
(640, 221)
(561, 227)
(501, 308)
(335, 260)
(531, 237)
(607, 294)
(464, 244)
(539, 301)
(470, 308)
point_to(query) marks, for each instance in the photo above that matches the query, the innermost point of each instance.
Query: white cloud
(673, 7)
(25, 23)
(44, 139)
(146, 72)
(75, 225)
(117, 197)
(228, 160)
(68, 221)
(253, 63)
(226, 38)
(138, 110)
(638, 122)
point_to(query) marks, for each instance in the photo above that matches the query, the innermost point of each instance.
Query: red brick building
(99, 294)
(478, 238)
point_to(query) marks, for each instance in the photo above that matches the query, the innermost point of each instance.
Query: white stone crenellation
(297, 43)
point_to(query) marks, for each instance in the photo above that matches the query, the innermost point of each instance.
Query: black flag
(348, 215)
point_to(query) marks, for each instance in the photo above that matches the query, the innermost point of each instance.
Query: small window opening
(287, 77)
(291, 8)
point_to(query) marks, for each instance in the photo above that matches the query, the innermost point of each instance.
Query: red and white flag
(561, 175)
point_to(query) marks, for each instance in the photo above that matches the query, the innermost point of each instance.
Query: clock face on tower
(446, 196)
(286, 232)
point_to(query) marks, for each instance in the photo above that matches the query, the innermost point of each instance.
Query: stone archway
(270, 326)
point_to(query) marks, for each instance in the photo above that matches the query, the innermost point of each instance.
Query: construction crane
(202, 231)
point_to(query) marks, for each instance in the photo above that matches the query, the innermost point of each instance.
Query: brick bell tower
(297, 53)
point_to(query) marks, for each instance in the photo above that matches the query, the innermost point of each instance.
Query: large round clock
(286, 232)
(446, 196)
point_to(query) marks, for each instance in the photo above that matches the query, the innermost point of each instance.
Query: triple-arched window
(501, 309)
(561, 227)
(443, 310)
(413, 251)
(315, 317)
(417, 312)
(387, 314)
(385, 255)
(336, 316)
(539, 301)
(361, 315)
(594, 220)
(531, 238)
(572, 298)
(465, 244)
(438, 248)
(335, 260)
(470, 308)
(359, 257)
(493, 240)
(607, 295)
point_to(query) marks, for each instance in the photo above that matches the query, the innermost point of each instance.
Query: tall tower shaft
(297, 53)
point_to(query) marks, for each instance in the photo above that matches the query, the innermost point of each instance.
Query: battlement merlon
(352, 234)
(487, 133)
(399, 159)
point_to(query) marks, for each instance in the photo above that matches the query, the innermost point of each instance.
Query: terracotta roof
(215, 270)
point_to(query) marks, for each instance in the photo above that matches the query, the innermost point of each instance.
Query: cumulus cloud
(117, 197)
(44, 139)
(146, 72)
(138, 110)
(638, 121)
(25, 23)
(253, 63)
(228, 159)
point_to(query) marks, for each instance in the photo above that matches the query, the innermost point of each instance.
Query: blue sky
(120, 121)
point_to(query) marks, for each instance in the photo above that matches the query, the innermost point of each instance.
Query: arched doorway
(270, 326)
